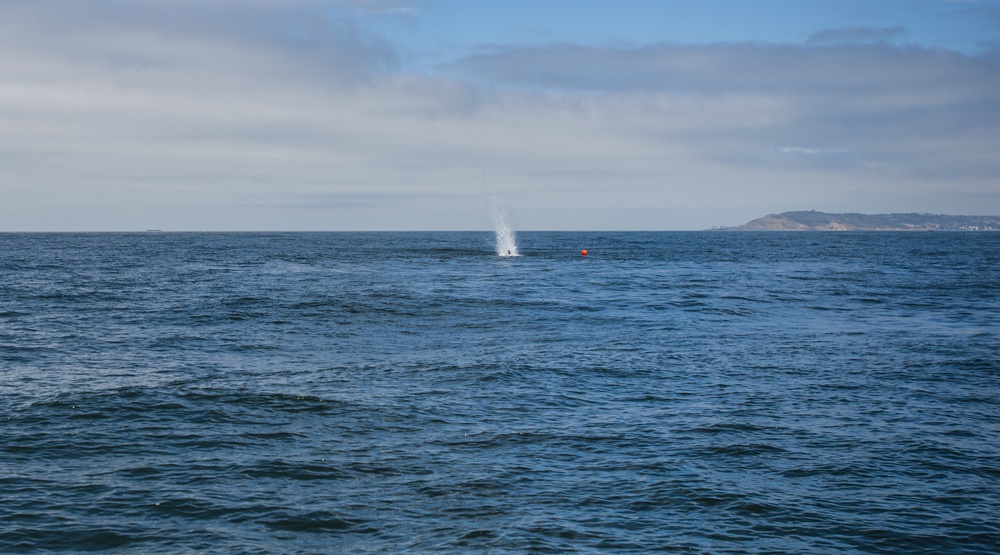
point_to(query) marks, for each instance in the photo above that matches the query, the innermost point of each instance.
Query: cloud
(875, 100)
(298, 115)
(811, 151)
(723, 67)
(856, 35)
(212, 41)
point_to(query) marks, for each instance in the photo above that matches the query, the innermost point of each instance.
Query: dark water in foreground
(675, 392)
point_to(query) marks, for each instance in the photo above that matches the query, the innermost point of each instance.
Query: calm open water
(414, 392)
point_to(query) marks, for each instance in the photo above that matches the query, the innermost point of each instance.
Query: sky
(315, 115)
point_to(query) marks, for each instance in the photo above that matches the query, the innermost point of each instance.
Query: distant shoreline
(822, 221)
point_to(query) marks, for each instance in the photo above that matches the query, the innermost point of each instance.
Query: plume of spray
(506, 240)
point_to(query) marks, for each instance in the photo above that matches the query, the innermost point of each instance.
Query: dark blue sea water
(413, 392)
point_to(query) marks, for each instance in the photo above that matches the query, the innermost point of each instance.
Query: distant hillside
(821, 221)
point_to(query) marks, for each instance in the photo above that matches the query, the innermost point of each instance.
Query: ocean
(676, 392)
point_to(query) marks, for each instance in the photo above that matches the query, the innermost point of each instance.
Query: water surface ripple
(414, 392)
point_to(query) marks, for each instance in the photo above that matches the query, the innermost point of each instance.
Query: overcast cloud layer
(270, 114)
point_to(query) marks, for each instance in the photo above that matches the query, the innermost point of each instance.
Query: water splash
(506, 240)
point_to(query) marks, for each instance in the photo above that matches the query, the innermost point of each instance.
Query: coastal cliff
(821, 221)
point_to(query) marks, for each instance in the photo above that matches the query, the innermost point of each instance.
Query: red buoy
(583, 252)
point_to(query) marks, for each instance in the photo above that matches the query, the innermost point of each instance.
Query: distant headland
(821, 221)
